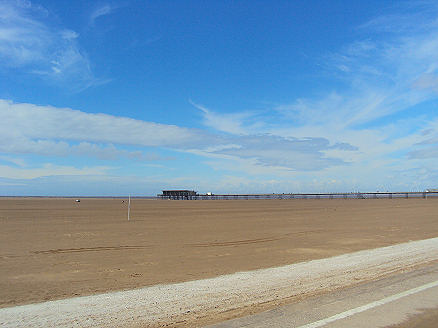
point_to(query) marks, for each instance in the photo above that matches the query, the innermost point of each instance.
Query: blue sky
(110, 98)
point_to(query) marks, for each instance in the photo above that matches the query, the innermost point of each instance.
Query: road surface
(402, 300)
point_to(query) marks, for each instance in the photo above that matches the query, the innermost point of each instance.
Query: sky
(103, 98)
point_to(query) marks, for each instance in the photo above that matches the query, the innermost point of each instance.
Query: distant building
(178, 194)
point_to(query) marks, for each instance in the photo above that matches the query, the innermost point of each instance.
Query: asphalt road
(408, 299)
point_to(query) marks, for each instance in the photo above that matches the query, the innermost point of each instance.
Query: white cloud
(298, 154)
(338, 137)
(63, 149)
(234, 123)
(276, 153)
(429, 152)
(45, 130)
(41, 127)
(49, 170)
(30, 41)
(427, 81)
(69, 35)
(393, 68)
(103, 10)
(17, 161)
(9, 184)
(375, 78)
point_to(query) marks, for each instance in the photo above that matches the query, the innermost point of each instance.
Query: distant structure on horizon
(178, 194)
(193, 195)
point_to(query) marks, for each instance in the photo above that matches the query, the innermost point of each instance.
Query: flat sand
(56, 248)
(199, 302)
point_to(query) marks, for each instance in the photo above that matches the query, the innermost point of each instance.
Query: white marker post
(129, 206)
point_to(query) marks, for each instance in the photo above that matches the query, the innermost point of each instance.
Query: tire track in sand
(90, 249)
(250, 241)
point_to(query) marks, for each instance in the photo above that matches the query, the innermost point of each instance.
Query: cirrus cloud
(31, 42)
